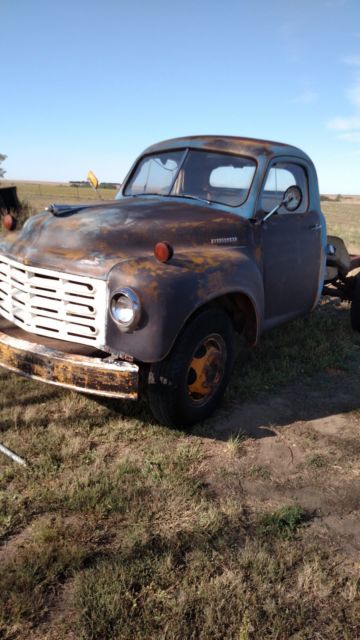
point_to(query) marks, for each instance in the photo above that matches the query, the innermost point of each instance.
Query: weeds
(120, 528)
(317, 461)
(283, 523)
(208, 588)
(149, 548)
(281, 357)
(235, 442)
(29, 578)
(260, 472)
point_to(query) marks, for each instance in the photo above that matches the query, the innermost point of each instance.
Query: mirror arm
(271, 213)
(275, 209)
(288, 197)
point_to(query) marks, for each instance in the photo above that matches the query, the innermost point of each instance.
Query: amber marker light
(9, 222)
(163, 251)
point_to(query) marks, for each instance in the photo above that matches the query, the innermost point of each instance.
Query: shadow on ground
(326, 395)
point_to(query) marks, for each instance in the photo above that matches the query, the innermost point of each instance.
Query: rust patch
(81, 373)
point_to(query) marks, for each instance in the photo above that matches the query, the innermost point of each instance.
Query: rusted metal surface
(172, 292)
(252, 147)
(339, 286)
(92, 239)
(78, 372)
(263, 275)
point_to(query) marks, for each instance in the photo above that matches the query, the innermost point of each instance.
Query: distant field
(40, 194)
(245, 528)
(342, 217)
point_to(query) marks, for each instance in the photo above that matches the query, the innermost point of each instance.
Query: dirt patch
(310, 458)
(12, 545)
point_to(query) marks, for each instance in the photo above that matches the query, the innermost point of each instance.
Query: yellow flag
(91, 177)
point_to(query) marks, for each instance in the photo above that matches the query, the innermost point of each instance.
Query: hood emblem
(228, 240)
(62, 209)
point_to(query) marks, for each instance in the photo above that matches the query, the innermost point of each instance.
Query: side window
(230, 177)
(281, 176)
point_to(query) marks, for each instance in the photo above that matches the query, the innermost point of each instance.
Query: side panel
(292, 250)
(170, 293)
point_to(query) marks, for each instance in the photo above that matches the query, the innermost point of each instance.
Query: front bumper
(87, 374)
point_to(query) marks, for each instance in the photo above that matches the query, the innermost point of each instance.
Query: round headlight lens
(125, 308)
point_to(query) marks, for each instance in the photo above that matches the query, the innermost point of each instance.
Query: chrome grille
(51, 303)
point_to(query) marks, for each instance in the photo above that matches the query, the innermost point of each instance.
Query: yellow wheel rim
(206, 369)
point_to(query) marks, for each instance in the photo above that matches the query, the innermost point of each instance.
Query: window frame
(285, 160)
(182, 151)
(188, 149)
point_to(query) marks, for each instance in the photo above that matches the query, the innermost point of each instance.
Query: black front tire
(187, 386)
(355, 305)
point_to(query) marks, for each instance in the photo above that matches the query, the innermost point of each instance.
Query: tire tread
(163, 399)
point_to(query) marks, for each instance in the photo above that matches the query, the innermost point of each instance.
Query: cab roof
(230, 144)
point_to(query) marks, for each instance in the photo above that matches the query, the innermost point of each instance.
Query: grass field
(342, 217)
(39, 194)
(343, 220)
(245, 528)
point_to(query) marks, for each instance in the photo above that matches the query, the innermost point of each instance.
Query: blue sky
(89, 84)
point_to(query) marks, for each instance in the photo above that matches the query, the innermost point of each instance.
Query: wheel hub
(206, 368)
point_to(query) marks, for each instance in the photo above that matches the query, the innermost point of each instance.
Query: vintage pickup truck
(208, 236)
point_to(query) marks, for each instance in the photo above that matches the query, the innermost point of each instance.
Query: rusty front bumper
(117, 379)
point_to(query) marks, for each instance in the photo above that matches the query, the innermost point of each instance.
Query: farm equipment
(9, 203)
(342, 279)
(9, 200)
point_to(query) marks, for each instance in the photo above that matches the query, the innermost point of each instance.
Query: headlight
(126, 309)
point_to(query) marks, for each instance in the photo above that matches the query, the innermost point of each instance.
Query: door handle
(315, 227)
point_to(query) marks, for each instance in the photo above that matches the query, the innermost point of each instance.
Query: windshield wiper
(141, 195)
(187, 195)
(169, 195)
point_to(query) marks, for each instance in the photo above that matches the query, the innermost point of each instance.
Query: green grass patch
(282, 523)
(212, 586)
(295, 352)
(317, 461)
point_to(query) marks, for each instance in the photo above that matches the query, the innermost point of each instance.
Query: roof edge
(230, 144)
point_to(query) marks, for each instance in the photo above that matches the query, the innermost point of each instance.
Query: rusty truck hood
(92, 239)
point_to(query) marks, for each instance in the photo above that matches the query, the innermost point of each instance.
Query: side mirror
(291, 200)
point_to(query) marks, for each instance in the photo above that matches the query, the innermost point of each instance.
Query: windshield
(204, 175)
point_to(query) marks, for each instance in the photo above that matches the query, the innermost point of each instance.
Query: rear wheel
(355, 305)
(189, 383)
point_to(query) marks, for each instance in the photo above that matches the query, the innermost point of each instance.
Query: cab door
(291, 245)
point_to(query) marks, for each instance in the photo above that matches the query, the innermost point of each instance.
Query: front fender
(170, 293)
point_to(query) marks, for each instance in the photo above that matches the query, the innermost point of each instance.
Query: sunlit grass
(117, 529)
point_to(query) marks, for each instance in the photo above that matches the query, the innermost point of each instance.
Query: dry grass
(343, 220)
(115, 531)
(36, 196)
(342, 216)
(119, 528)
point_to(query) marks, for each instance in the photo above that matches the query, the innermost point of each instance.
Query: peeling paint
(80, 373)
